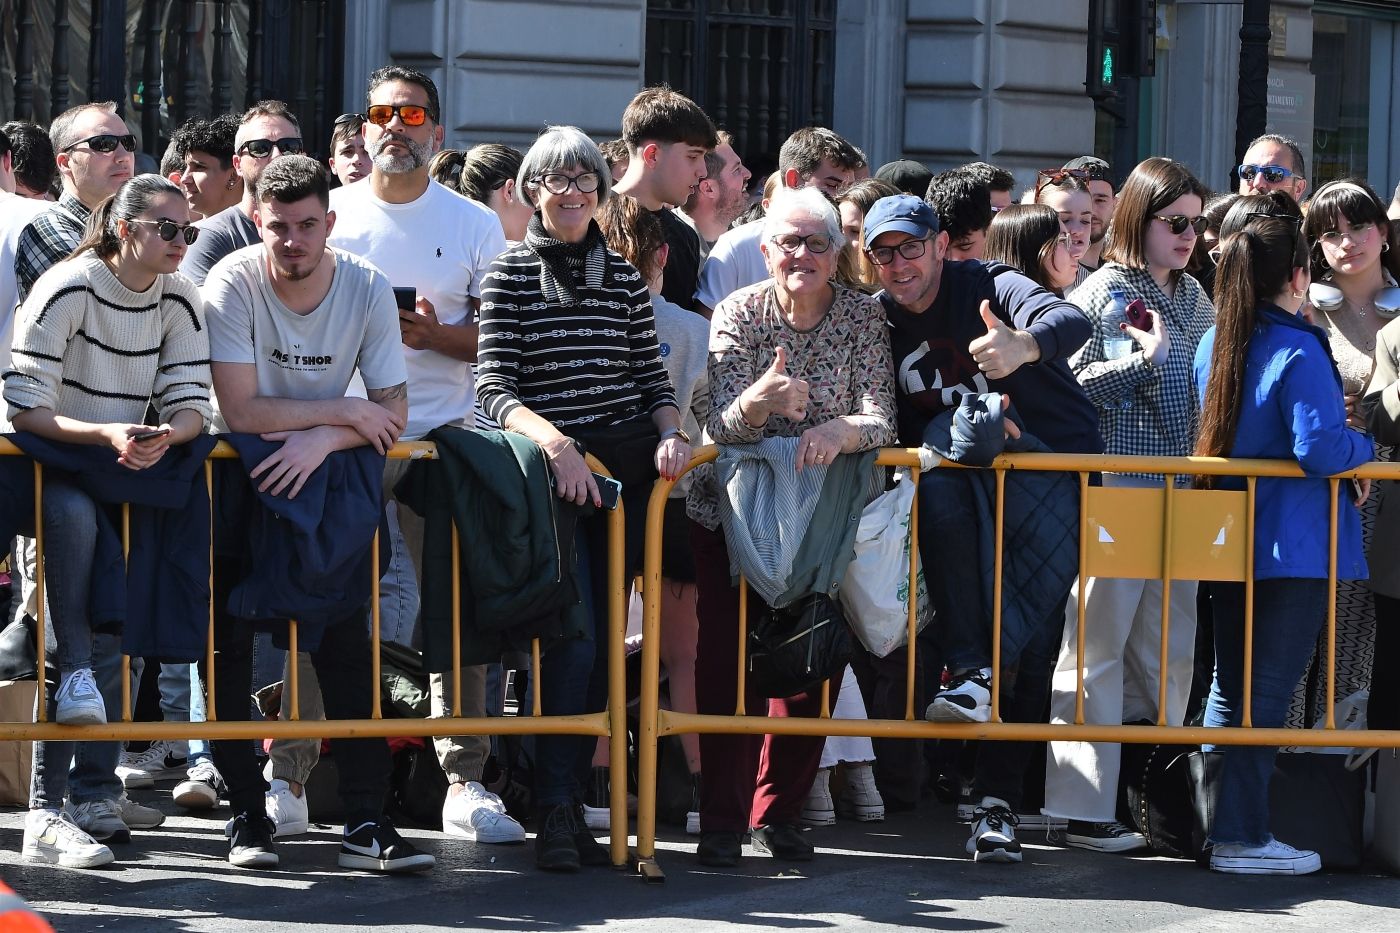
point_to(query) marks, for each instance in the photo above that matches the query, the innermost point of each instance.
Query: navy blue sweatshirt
(933, 367)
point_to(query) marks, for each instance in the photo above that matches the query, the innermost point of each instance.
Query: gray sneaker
(137, 816)
(100, 819)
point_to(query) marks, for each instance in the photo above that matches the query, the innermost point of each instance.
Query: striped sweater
(592, 361)
(89, 348)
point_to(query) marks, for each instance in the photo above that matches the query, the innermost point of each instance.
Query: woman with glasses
(569, 358)
(105, 334)
(1066, 191)
(799, 356)
(1269, 389)
(1032, 239)
(1143, 391)
(1353, 298)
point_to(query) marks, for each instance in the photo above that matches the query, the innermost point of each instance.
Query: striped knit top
(590, 359)
(88, 347)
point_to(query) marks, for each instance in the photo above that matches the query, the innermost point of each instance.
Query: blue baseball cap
(900, 212)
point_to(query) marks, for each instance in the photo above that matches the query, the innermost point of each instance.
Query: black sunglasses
(1178, 223)
(105, 142)
(167, 230)
(262, 148)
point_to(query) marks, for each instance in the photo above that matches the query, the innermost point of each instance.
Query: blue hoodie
(1292, 409)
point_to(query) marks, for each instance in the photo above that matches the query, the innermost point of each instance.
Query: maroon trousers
(747, 780)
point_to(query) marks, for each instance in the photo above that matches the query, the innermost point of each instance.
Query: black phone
(406, 297)
(609, 490)
(1137, 315)
(150, 435)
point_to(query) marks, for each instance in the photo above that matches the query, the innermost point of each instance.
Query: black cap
(907, 175)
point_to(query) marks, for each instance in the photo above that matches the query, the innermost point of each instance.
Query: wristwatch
(1148, 364)
(675, 432)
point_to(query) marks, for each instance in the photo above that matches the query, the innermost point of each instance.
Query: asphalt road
(907, 873)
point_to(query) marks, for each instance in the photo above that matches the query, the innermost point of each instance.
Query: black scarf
(564, 267)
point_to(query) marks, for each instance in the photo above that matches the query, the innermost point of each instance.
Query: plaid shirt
(48, 239)
(1161, 419)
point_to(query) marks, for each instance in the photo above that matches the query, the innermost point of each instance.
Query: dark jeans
(1288, 614)
(342, 663)
(1383, 708)
(566, 671)
(747, 780)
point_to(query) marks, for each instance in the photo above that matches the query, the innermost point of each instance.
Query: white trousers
(849, 705)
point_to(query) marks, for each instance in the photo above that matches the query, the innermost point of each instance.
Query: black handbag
(19, 657)
(1155, 796)
(793, 649)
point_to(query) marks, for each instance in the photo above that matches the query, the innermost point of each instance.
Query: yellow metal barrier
(612, 722)
(1163, 533)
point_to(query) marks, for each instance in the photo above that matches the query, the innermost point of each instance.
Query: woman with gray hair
(797, 355)
(568, 357)
(104, 334)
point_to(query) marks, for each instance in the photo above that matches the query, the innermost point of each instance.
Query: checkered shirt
(48, 238)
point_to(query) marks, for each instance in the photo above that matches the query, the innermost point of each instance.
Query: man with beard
(425, 236)
(721, 195)
(267, 130)
(1104, 200)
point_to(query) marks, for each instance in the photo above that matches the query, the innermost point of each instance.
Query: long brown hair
(1023, 236)
(132, 199)
(1261, 244)
(631, 231)
(1153, 184)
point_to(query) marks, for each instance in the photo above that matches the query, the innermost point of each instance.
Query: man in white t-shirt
(426, 237)
(15, 214)
(812, 157)
(290, 323)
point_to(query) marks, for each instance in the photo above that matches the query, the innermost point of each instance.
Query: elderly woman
(568, 357)
(794, 356)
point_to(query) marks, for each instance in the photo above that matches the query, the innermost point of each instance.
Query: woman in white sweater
(104, 334)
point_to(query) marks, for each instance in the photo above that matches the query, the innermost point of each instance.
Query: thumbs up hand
(776, 393)
(1003, 349)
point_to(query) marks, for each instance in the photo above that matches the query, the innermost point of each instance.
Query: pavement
(907, 873)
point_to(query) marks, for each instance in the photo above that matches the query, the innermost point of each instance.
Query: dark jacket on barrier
(161, 602)
(307, 558)
(957, 536)
(516, 560)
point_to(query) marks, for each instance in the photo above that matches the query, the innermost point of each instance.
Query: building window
(1341, 119)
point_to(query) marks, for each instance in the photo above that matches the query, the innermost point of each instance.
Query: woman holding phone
(105, 334)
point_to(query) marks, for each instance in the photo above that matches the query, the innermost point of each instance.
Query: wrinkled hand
(379, 426)
(1155, 343)
(287, 470)
(777, 393)
(1362, 488)
(417, 327)
(573, 480)
(1355, 417)
(672, 457)
(134, 454)
(1003, 349)
(820, 445)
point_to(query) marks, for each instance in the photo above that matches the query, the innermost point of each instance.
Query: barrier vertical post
(1247, 717)
(1080, 585)
(210, 713)
(617, 684)
(740, 705)
(997, 556)
(911, 660)
(1332, 486)
(1167, 512)
(293, 669)
(650, 712)
(126, 658)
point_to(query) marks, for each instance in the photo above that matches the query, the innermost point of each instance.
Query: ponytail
(131, 200)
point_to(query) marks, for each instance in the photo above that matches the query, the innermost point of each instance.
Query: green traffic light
(1107, 65)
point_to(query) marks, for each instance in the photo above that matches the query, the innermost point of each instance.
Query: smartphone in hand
(406, 298)
(609, 490)
(1137, 315)
(151, 434)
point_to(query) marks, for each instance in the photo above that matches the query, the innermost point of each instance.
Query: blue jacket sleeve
(1060, 328)
(1310, 402)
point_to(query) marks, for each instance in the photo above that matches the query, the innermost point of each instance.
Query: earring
(1385, 247)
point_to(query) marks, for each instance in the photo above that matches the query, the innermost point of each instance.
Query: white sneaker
(1275, 858)
(54, 838)
(861, 800)
(479, 815)
(817, 809)
(100, 819)
(137, 816)
(993, 836)
(201, 788)
(287, 810)
(162, 760)
(967, 698)
(78, 701)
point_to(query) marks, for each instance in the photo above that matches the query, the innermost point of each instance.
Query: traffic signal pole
(1253, 110)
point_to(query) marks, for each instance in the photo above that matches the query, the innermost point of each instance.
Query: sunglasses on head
(1178, 223)
(345, 118)
(410, 114)
(1273, 174)
(167, 230)
(105, 142)
(1058, 176)
(262, 148)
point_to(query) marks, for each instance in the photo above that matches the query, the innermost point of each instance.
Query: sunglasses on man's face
(105, 142)
(1273, 174)
(383, 114)
(167, 230)
(262, 148)
(1177, 223)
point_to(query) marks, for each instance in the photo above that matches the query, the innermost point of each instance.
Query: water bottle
(1116, 342)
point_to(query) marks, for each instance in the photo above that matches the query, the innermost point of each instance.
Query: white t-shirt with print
(440, 244)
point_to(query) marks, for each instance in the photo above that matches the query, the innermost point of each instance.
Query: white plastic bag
(875, 593)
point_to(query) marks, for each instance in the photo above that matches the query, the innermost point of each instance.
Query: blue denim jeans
(93, 764)
(567, 666)
(1288, 615)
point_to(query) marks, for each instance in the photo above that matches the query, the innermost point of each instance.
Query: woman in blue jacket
(1270, 389)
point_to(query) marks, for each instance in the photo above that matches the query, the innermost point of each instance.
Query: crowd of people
(631, 299)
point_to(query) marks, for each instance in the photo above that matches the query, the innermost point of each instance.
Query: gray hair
(803, 202)
(560, 147)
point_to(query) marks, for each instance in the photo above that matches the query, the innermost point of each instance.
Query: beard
(417, 156)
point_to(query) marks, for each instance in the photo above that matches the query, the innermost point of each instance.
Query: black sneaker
(783, 841)
(993, 836)
(377, 846)
(591, 852)
(250, 841)
(1112, 836)
(967, 698)
(720, 849)
(556, 846)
